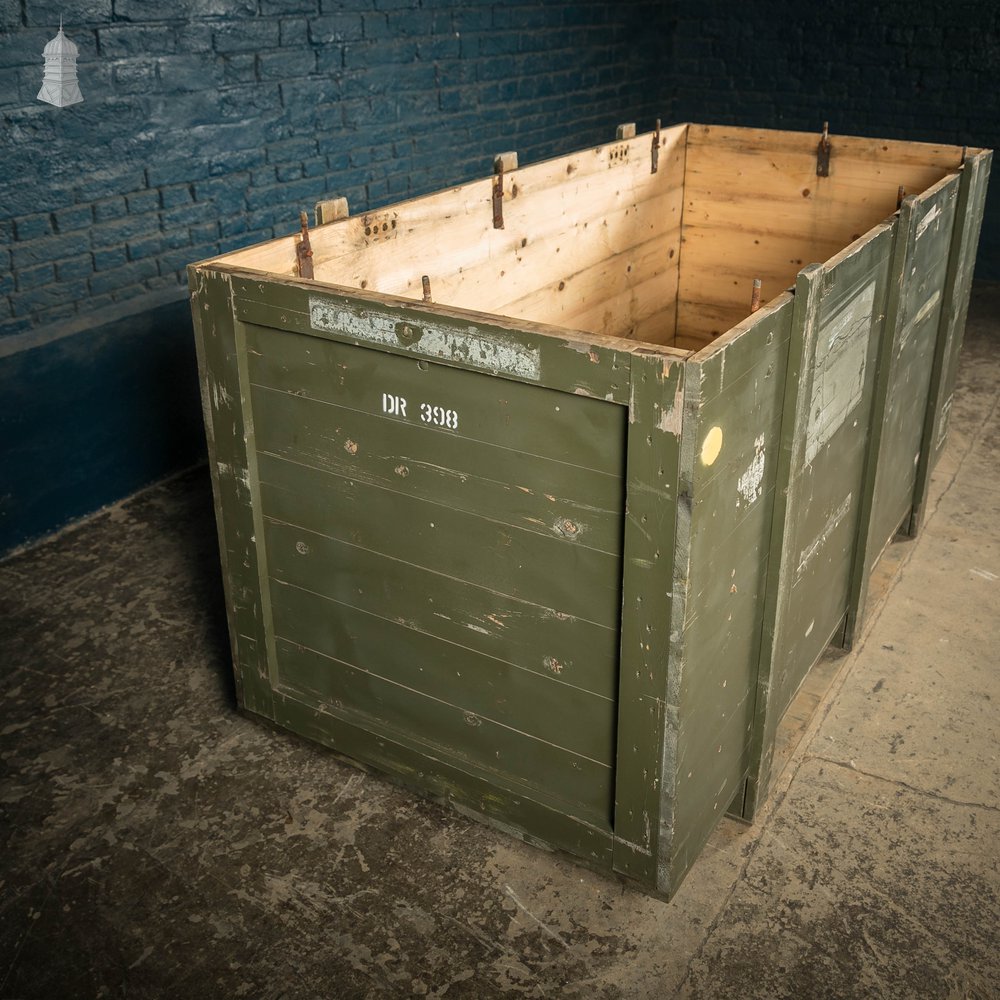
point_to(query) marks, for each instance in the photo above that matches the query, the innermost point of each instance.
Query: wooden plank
(796, 400)
(602, 168)
(646, 721)
(448, 731)
(915, 336)
(954, 307)
(512, 488)
(349, 646)
(905, 363)
(541, 819)
(574, 362)
(732, 429)
(227, 432)
(754, 207)
(516, 630)
(475, 406)
(446, 542)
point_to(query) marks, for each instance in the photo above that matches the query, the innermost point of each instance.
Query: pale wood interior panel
(754, 207)
(591, 241)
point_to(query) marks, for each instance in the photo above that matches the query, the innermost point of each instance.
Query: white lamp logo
(59, 84)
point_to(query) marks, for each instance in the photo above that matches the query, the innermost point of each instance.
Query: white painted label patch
(841, 353)
(807, 555)
(470, 347)
(749, 487)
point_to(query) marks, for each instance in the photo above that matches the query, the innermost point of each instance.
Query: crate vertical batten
(537, 518)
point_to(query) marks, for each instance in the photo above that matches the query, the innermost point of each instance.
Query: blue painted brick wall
(209, 124)
(906, 69)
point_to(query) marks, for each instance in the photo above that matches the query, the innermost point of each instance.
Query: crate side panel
(366, 582)
(923, 280)
(822, 543)
(736, 433)
(647, 720)
(968, 224)
(224, 404)
(754, 207)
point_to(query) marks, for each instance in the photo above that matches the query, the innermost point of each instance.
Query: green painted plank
(525, 812)
(447, 401)
(225, 426)
(924, 274)
(643, 784)
(529, 635)
(954, 308)
(452, 733)
(552, 499)
(520, 350)
(796, 406)
(352, 646)
(733, 439)
(585, 583)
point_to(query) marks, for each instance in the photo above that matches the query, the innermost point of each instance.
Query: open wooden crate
(519, 503)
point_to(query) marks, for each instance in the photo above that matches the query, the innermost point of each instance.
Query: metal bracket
(501, 162)
(303, 249)
(655, 151)
(823, 152)
(331, 210)
(425, 282)
(755, 296)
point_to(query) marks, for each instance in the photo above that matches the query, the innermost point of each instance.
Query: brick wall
(209, 124)
(920, 69)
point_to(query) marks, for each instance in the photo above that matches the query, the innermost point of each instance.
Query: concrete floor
(155, 842)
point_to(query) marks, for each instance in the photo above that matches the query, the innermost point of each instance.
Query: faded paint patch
(498, 355)
(810, 551)
(750, 484)
(841, 354)
(711, 446)
(670, 418)
(925, 223)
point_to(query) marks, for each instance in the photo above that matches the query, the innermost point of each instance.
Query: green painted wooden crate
(519, 503)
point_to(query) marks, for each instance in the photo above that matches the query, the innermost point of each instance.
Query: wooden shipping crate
(519, 503)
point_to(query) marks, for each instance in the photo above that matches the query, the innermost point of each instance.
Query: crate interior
(599, 242)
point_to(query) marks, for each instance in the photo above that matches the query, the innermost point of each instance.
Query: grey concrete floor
(155, 842)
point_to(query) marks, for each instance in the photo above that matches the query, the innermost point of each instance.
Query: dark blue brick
(30, 227)
(121, 277)
(237, 160)
(35, 277)
(106, 180)
(291, 172)
(119, 232)
(250, 34)
(204, 233)
(170, 171)
(286, 63)
(240, 67)
(48, 13)
(27, 302)
(6, 282)
(294, 32)
(134, 75)
(174, 238)
(50, 249)
(184, 215)
(14, 326)
(146, 246)
(190, 72)
(109, 257)
(347, 27)
(124, 40)
(75, 267)
(140, 202)
(109, 208)
(289, 6)
(73, 217)
(291, 149)
(180, 194)
(226, 194)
